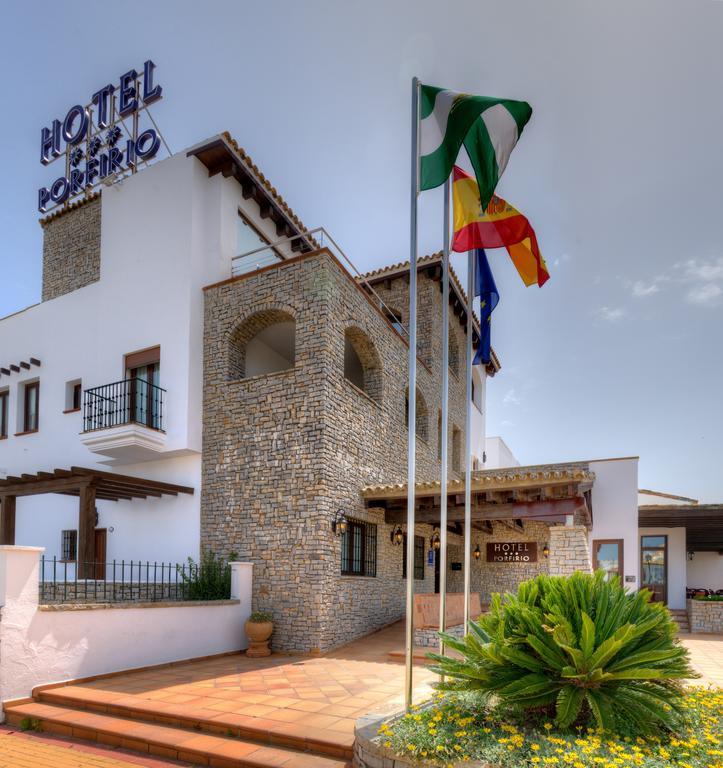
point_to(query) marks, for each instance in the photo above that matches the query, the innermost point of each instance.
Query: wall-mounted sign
(102, 141)
(430, 557)
(511, 551)
(455, 566)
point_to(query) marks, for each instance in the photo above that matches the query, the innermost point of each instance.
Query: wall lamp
(340, 523)
(477, 553)
(397, 536)
(545, 551)
(691, 554)
(435, 541)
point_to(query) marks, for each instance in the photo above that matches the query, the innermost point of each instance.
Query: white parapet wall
(40, 645)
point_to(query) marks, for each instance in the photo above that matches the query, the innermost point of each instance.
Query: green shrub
(709, 598)
(208, 580)
(259, 617)
(580, 647)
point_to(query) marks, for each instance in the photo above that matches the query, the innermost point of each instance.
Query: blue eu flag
(486, 289)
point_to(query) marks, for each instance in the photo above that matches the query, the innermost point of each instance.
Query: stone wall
(569, 550)
(71, 250)
(283, 452)
(705, 616)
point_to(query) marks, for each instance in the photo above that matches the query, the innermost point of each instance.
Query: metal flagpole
(468, 444)
(445, 423)
(412, 398)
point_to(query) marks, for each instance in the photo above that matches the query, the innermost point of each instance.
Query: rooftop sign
(104, 140)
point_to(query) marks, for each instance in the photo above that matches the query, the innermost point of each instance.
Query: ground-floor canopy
(703, 523)
(89, 485)
(549, 493)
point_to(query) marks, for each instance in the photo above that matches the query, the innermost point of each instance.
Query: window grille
(70, 545)
(359, 549)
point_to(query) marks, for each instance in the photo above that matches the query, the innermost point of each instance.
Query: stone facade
(283, 452)
(705, 616)
(569, 550)
(71, 249)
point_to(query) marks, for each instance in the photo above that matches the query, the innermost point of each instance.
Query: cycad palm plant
(579, 644)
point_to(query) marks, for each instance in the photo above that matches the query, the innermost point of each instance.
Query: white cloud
(707, 293)
(704, 271)
(640, 289)
(611, 314)
(511, 398)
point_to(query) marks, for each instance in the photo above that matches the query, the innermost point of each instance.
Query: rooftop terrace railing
(266, 255)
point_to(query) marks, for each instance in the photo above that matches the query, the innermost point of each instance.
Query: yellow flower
(534, 747)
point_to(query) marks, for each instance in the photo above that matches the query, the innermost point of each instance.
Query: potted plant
(258, 630)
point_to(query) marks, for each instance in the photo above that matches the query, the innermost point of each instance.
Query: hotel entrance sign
(512, 552)
(104, 140)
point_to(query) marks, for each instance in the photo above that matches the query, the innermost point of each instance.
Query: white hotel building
(115, 373)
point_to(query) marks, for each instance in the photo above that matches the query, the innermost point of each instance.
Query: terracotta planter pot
(258, 633)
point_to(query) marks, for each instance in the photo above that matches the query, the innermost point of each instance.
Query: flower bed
(456, 730)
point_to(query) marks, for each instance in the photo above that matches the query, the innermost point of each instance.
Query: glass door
(654, 566)
(144, 406)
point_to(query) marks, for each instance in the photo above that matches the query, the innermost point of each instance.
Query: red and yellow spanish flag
(499, 226)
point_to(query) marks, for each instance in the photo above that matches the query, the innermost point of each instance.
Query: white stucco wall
(165, 233)
(39, 647)
(499, 454)
(705, 570)
(615, 510)
(676, 564)
(479, 417)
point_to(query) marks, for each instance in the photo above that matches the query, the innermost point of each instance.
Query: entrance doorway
(654, 566)
(100, 553)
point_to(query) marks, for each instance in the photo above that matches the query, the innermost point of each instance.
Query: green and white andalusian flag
(489, 129)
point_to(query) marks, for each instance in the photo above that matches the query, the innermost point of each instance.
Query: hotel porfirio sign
(103, 140)
(511, 551)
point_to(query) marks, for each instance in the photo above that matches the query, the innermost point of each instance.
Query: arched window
(456, 449)
(422, 417)
(263, 343)
(453, 353)
(362, 366)
(395, 318)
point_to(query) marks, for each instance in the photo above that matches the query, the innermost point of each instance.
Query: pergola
(548, 492)
(703, 523)
(88, 485)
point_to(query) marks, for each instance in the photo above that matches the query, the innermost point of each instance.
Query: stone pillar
(569, 550)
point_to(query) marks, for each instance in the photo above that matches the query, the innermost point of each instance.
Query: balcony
(124, 421)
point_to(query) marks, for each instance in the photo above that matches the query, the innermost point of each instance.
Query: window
(607, 555)
(4, 397)
(69, 547)
(422, 420)
(359, 549)
(31, 392)
(395, 318)
(456, 449)
(143, 397)
(418, 558)
(73, 395)
(263, 343)
(247, 237)
(362, 366)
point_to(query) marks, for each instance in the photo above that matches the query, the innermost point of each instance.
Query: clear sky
(619, 170)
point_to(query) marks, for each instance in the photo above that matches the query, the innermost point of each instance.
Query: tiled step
(263, 730)
(166, 741)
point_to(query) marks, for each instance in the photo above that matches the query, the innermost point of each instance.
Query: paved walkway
(706, 655)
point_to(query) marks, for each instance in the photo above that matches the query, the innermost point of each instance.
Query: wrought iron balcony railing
(131, 401)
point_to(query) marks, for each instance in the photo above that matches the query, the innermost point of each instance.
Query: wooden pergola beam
(7, 520)
(533, 510)
(86, 532)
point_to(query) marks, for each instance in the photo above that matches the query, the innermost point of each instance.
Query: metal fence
(123, 581)
(123, 402)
